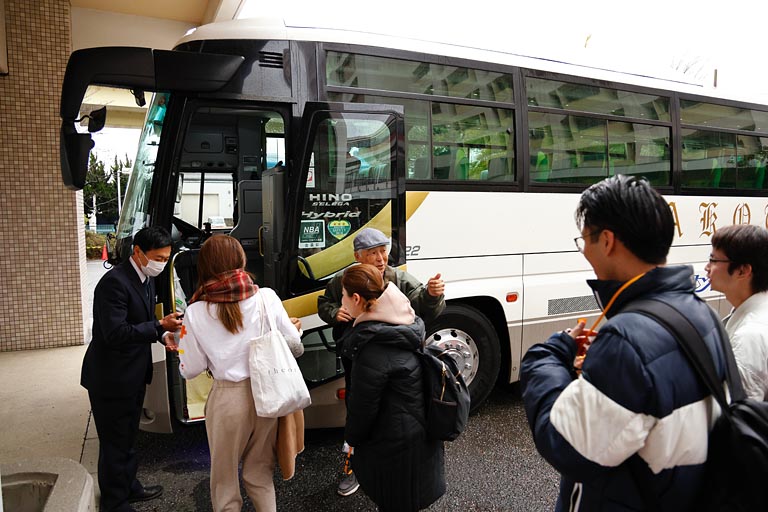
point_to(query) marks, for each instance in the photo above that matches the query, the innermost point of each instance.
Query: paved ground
(493, 466)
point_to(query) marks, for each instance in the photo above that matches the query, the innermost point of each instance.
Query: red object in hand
(584, 341)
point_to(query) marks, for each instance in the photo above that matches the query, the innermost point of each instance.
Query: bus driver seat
(250, 217)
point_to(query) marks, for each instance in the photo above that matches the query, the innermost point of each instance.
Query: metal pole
(119, 168)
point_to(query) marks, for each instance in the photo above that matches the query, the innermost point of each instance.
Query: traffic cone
(104, 253)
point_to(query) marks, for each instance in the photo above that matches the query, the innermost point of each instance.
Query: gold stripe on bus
(412, 202)
(341, 254)
(304, 305)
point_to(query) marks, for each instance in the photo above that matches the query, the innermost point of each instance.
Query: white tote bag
(276, 381)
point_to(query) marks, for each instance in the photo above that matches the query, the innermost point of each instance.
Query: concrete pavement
(45, 412)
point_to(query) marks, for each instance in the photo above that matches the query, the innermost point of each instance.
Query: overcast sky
(649, 37)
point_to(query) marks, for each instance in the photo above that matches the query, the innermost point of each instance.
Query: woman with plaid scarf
(224, 314)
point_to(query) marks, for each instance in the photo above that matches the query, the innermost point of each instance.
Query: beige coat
(290, 442)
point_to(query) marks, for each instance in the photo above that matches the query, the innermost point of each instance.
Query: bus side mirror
(75, 149)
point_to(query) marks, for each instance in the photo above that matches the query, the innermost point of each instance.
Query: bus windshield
(134, 215)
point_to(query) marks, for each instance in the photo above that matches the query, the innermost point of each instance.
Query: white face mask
(152, 268)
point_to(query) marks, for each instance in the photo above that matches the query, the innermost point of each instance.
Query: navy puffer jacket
(635, 423)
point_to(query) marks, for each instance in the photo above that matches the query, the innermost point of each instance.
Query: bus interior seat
(759, 175)
(443, 166)
(379, 173)
(497, 168)
(185, 266)
(421, 168)
(460, 166)
(716, 173)
(351, 171)
(250, 217)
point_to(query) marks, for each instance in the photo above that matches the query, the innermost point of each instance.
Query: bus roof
(439, 43)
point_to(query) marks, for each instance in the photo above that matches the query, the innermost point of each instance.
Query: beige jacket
(290, 442)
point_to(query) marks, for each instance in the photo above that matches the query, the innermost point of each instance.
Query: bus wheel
(470, 339)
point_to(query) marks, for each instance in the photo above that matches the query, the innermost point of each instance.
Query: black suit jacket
(118, 361)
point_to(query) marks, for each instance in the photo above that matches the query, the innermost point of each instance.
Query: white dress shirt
(747, 328)
(206, 343)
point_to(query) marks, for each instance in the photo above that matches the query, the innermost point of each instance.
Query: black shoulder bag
(737, 460)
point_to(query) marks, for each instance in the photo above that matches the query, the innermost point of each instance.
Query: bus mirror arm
(96, 119)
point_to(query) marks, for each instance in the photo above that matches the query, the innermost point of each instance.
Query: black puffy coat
(396, 465)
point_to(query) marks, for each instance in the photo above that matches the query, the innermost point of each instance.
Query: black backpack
(447, 395)
(737, 461)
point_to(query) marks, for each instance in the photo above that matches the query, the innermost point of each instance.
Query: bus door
(225, 155)
(353, 177)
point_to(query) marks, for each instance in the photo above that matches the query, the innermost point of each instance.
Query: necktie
(147, 290)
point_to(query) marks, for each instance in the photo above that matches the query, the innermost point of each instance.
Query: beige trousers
(235, 433)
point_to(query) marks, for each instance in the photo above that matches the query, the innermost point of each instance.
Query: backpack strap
(693, 345)
(732, 375)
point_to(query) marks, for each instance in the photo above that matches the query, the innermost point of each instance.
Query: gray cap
(369, 238)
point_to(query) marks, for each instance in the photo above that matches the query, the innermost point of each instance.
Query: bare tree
(694, 66)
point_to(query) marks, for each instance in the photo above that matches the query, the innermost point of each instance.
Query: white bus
(471, 160)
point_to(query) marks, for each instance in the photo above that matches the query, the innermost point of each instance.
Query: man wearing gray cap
(372, 247)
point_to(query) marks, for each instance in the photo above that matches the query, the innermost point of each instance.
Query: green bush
(94, 244)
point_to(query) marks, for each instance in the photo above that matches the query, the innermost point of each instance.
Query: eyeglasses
(579, 240)
(716, 260)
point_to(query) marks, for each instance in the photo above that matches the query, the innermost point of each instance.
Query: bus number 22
(412, 250)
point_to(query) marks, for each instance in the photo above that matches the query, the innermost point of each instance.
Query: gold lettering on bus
(766, 216)
(742, 214)
(708, 218)
(673, 207)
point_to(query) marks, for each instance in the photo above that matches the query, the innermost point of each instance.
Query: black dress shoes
(149, 492)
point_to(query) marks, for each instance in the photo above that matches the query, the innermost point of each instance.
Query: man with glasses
(738, 267)
(629, 433)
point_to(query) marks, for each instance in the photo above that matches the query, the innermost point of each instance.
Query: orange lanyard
(613, 299)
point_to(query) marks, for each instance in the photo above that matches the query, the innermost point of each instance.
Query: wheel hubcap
(461, 348)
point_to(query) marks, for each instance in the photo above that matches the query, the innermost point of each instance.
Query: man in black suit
(118, 364)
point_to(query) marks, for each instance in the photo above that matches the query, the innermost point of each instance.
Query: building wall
(92, 28)
(42, 253)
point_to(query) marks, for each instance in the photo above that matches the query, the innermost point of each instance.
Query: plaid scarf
(231, 286)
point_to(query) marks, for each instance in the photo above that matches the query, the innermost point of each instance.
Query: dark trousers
(117, 424)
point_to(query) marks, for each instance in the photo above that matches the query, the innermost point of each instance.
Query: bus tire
(469, 337)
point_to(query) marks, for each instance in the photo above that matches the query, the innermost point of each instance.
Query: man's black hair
(745, 244)
(153, 237)
(636, 214)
